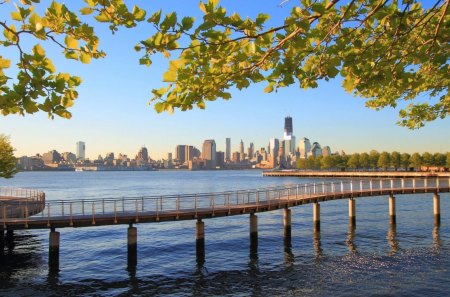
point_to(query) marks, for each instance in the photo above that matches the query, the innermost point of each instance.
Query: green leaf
(187, 23)
(4, 63)
(202, 7)
(15, 15)
(86, 10)
(139, 14)
(71, 42)
(155, 18)
(85, 58)
(170, 76)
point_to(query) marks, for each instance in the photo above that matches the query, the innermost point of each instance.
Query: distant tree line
(375, 160)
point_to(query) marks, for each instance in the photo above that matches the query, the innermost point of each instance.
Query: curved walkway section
(20, 203)
(88, 212)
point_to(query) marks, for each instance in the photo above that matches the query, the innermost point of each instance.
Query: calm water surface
(372, 260)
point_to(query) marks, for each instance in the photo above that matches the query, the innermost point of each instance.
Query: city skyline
(112, 112)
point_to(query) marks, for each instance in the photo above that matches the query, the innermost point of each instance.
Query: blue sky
(112, 112)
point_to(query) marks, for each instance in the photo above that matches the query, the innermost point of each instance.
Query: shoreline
(363, 174)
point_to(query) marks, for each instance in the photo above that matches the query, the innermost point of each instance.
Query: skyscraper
(142, 156)
(209, 153)
(81, 150)
(304, 146)
(180, 153)
(228, 150)
(251, 151)
(241, 150)
(288, 130)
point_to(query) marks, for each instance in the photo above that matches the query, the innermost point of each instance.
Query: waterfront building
(69, 157)
(316, 150)
(236, 157)
(241, 150)
(81, 150)
(304, 147)
(274, 146)
(180, 153)
(142, 156)
(220, 158)
(251, 151)
(326, 151)
(288, 129)
(51, 157)
(228, 150)
(209, 153)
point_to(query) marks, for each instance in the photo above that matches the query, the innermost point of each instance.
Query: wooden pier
(197, 207)
(355, 174)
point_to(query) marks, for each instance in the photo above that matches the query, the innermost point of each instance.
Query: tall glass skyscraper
(228, 150)
(81, 150)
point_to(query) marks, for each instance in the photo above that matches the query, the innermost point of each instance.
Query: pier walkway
(95, 212)
(33, 212)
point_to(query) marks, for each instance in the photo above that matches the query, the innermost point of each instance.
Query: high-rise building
(180, 153)
(274, 145)
(81, 150)
(316, 150)
(189, 153)
(51, 157)
(326, 151)
(304, 146)
(241, 150)
(228, 150)
(220, 157)
(251, 151)
(288, 130)
(209, 153)
(142, 156)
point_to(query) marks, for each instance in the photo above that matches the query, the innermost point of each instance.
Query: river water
(412, 259)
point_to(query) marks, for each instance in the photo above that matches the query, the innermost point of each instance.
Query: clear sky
(112, 112)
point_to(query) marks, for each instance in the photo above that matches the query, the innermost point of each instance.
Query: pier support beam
(2, 241)
(200, 241)
(316, 216)
(392, 212)
(253, 232)
(287, 222)
(132, 245)
(352, 212)
(437, 209)
(53, 251)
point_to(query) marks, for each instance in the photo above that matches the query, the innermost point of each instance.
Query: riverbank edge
(357, 174)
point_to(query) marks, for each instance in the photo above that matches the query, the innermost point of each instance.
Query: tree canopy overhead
(393, 53)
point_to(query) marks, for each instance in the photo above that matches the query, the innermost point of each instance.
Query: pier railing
(20, 203)
(271, 197)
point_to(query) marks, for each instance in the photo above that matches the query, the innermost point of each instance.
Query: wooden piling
(200, 240)
(392, 211)
(253, 231)
(437, 209)
(352, 212)
(132, 245)
(53, 253)
(287, 222)
(316, 216)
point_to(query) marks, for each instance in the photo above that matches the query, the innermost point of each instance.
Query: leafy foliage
(7, 160)
(385, 51)
(376, 161)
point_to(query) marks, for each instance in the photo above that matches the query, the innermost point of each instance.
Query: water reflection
(350, 240)
(288, 255)
(392, 239)
(436, 238)
(318, 252)
(15, 260)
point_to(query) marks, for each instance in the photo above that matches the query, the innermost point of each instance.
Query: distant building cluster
(279, 153)
(53, 160)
